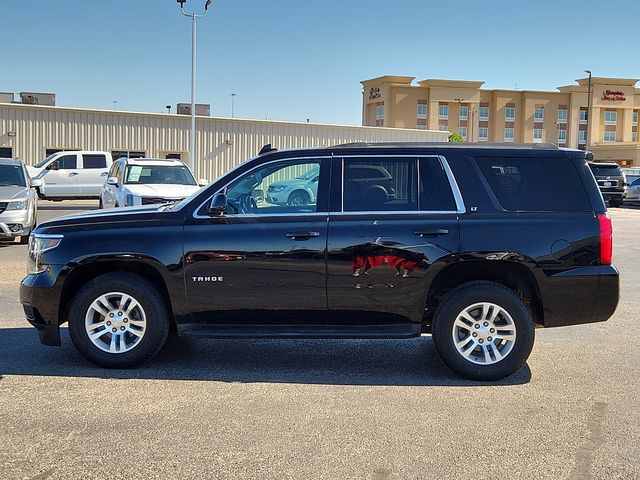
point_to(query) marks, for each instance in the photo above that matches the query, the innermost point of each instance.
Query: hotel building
(529, 116)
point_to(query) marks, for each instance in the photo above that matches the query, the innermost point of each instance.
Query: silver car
(18, 200)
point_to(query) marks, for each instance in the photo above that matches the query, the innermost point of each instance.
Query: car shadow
(412, 362)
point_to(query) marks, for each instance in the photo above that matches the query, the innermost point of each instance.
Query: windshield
(157, 174)
(42, 163)
(12, 175)
(309, 174)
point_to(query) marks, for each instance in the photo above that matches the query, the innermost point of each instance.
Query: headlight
(38, 244)
(277, 188)
(18, 205)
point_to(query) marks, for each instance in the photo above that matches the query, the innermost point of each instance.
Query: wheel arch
(82, 274)
(513, 275)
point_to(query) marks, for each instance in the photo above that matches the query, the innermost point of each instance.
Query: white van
(77, 174)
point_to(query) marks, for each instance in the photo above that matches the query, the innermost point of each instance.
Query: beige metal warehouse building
(31, 132)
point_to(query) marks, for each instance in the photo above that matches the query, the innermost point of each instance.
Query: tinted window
(12, 175)
(635, 183)
(94, 161)
(606, 170)
(535, 184)
(435, 190)
(68, 162)
(375, 185)
(284, 187)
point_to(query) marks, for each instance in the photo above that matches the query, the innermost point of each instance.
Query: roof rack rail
(540, 146)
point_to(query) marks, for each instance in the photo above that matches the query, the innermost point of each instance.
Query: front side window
(379, 185)
(510, 114)
(284, 187)
(609, 136)
(538, 114)
(610, 117)
(158, 175)
(68, 162)
(94, 161)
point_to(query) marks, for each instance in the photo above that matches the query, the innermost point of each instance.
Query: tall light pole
(460, 100)
(588, 110)
(233, 104)
(194, 18)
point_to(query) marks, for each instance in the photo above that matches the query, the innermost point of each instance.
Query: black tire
(299, 198)
(615, 202)
(151, 301)
(470, 294)
(100, 204)
(24, 239)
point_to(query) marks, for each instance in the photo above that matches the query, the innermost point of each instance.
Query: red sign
(613, 96)
(374, 93)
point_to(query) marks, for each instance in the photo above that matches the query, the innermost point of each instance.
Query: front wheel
(483, 331)
(299, 198)
(118, 320)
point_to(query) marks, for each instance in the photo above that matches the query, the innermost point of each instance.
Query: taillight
(606, 238)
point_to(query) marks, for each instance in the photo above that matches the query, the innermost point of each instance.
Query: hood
(170, 191)
(12, 193)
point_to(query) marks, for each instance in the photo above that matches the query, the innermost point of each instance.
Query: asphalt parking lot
(322, 409)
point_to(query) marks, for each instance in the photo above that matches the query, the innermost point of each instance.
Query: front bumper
(580, 295)
(40, 299)
(15, 217)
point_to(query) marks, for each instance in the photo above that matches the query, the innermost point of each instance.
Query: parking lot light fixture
(588, 109)
(194, 18)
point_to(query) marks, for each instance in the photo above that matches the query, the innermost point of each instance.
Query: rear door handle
(104, 174)
(433, 232)
(302, 235)
(73, 174)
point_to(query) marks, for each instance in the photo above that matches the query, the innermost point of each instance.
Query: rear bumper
(580, 295)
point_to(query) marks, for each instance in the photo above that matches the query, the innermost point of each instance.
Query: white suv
(146, 181)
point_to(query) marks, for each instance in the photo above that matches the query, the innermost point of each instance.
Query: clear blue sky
(298, 59)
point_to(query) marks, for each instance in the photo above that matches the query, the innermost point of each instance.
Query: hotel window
(464, 112)
(635, 118)
(537, 135)
(508, 134)
(463, 133)
(538, 114)
(582, 136)
(562, 136)
(379, 115)
(610, 117)
(421, 127)
(443, 128)
(634, 136)
(562, 115)
(583, 116)
(484, 113)
(422, 111)
(609, 136)
(483, 134)
(443, 111)
(510, 114)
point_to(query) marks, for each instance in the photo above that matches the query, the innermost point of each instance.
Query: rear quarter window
(535, 184)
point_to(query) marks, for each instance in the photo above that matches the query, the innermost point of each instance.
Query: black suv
(611, 182)
(477, 245)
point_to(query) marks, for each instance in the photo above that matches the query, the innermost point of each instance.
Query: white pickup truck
(72, 174)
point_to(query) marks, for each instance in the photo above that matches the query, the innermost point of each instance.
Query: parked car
(633, 192)
(611, 182)
(145, 181)
(301, 190)
(71, 174)
(18, 200)
(478, 246)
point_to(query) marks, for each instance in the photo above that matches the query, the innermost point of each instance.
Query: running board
(405, 330)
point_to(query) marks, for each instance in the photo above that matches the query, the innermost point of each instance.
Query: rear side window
(606, 170)
(535, 184)
(94, 161)
(435, 190)
(68, 162)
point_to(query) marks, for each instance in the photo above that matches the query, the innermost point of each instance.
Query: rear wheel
(483, 331)
(299, 198)
(118, 320)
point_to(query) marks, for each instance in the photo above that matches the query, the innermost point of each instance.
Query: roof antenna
(266, 149)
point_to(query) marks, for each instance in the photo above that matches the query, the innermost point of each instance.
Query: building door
(264, 260)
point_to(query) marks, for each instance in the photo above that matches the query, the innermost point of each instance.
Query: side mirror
(203, 181)
(112, 181)
(218, 205)
(36, 182)
(53, 165)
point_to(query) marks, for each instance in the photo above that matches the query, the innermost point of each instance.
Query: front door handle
(73, 174)
(302, 235)
(432, 232)
(104, 174)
